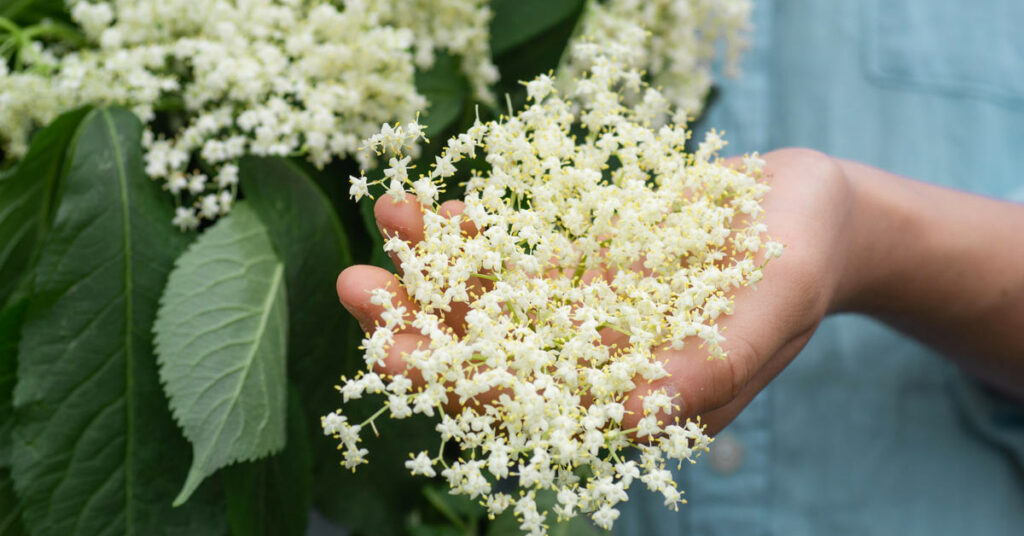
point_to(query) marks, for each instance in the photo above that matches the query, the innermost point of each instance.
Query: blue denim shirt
(868, 432)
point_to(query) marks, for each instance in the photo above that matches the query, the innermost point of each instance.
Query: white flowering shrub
(173, 216)
(308, 77)
(673, 42)
(260, 77)
(595, 240)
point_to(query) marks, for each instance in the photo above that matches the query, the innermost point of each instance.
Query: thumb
(772, 322)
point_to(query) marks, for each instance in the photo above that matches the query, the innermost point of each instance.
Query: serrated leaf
(517, 21)
(323, 340)
(306, 232)
(221, 334)
(95, 451)
(25, 198)
(445, 89)
(271, 497)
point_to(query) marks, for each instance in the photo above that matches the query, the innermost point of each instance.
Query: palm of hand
(771, 324)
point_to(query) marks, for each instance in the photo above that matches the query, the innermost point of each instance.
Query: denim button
(726, 454)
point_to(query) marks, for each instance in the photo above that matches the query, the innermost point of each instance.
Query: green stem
(614, 328)
(55, 29)
(485, 276)
(8, 43)
(10, 26)
(580, 268)
(440, 506)
(372, 417)
(440, 450)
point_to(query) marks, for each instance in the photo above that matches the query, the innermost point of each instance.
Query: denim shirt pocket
(960, 49)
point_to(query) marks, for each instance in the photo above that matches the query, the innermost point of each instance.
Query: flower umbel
(593, 239)
(261, 77)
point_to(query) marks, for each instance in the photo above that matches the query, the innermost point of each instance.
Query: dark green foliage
(271, 497)
(446, 92)
(26, 199)
(221, 337)
(95, 451)
(27, 12)
(517, 21)
(87, 441)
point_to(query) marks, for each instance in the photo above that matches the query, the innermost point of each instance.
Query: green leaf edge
(276, 293)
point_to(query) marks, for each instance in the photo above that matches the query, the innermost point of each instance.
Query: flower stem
(371, 418)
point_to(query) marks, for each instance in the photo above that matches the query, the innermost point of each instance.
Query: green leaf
(306, 231)
(26, 12)
(541, 54)
(435, 530)
(314, 246)
(453, 506)
(25, 198)
(343, 496)
(323, 341)
(221, 334)
(10, 333)
(95, 451)
(10, 510)
(517, 21)
(378, 257)
(271, 497)
(445, 89)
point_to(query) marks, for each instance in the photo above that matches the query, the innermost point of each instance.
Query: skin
(945, 267)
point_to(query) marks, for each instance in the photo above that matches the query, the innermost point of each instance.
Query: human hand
(807, 210)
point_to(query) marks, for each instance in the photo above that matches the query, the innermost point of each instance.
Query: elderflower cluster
(672, 41)
(592, 239)
(262, 77)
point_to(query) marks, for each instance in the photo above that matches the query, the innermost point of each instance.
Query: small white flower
(209, 206)
(421, 465)
(540, 87)
(197, 184)
(359, 187)
(605, 517)
(353, 457)
(227, 176)
(185, 218)
(332, 423)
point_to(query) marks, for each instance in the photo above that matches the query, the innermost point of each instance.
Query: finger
(716, 420)
(354, 286)
(403, 218)
(453, 208)
(397, 362)
(456, 317)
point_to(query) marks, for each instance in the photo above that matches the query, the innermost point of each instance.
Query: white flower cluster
(593, 240)
(263, 77)
(672, 41)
